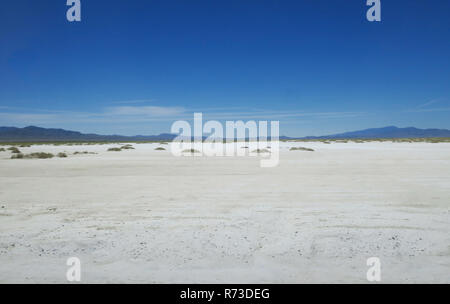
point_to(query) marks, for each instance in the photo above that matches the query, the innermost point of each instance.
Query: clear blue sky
(135, 66)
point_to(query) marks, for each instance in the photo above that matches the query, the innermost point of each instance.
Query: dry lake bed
(144, 216)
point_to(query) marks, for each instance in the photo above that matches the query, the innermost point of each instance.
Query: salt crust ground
(146, 216)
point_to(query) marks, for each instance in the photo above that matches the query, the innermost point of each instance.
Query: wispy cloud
(152, 111)
(280, 115)
(429, 103)
(425, 107)
(136, 101)
(148, 114)
(431, 110)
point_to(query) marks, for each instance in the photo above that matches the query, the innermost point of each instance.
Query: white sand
(145, 216)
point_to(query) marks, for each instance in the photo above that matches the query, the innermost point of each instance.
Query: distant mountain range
(36, 134)
(387, 132)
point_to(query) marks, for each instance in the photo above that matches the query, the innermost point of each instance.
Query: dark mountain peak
(390, 132)
(38, 134)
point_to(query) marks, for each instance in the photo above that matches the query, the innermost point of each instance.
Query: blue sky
(135, 66)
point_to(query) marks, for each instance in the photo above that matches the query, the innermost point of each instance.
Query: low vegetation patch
(190, 151)
(39, 155)
(17, 156)
(261, 151)
(84, 152)
(436, 140)
(14, 150)
(114, 149)
(2, 150)
(300, 149)
(62, 155)
(160, 149)
(127, 147)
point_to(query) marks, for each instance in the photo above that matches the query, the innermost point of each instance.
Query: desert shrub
(25, 146)
(261, 151)
(300, 149)
(127, 147)
(84, 152)
(40, 155)
(62, 155)
(17, 156)
(115, 149)
(190, 151)
(14, 150)
(2, 150)
(160, 149)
